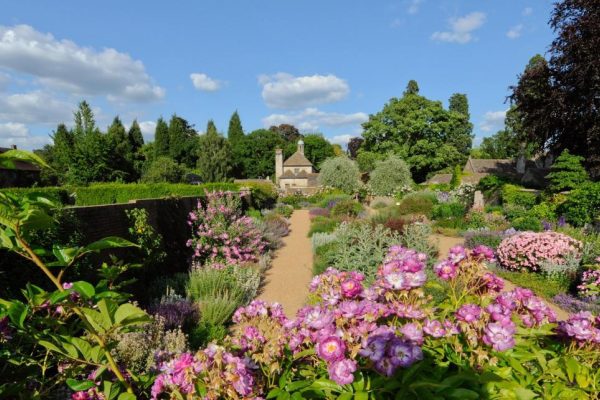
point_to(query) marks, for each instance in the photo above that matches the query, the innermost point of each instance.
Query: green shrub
(329, 200)
(323, 255)
(582, 205)
(490, 239)
(389, 176)
(490, 184)
(417, 237)
(322, 225)
(341, 173)
(163, 170)
(456, 177)
(514, 195)
(367, 160)
(567, 173)
(543, 211)
(348, 208)
(476, 220)
(58, 195)
(284, 210)
(262, 195)
(293, 200)
(451, 223)
(416, 203)
(541, 285)
(448, 210)
(527, 223)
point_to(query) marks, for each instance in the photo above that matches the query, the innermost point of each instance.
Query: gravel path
(287, 280)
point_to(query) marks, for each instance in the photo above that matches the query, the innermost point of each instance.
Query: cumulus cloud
(493, 120)
(13, 129)
(148, 128)
(205, 83)
(461, 29)
(342, 140)
(34, 107)
(66, 66)
(311, 119)
(413, 6)
(14, 133)
(527, 11)
(515, 31)
(294, 92)
(4, 80)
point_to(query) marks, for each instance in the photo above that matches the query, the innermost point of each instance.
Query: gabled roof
(297, 160)
(489, 166)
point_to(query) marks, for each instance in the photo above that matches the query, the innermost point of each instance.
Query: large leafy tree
(235, 131)
(183, 141)
(214, 156)
(288, 132)
(509, 142)
(420, 131)
(559, 100)
(354, 145)
(340, 173)
(121, 153)
(256, 153)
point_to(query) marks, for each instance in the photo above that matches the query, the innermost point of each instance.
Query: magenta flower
(457, 254)
(468, 313)
(342, 371)
(331, 349)
(412, 332)
(434, 328)
(351, 288)
(499, 336)
(446, 270)
(483, 252)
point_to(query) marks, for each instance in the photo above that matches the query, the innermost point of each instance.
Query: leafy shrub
(527, 223)
(367, 160)
(361, 247)
(590, 284)
(323, 256)
(349, 208)
(583, 205)
(58, 195)
(163, 169)
(567, 173)
(416, 236)
(273, 228)
(527, 250)
(389, 175)
(539, 284)
(476, 220)
(341, 173)
(397, 224)
(323, 225)
(491, 239)
(175, 312)
(318, 212)
(416, 204)
(591, 242)
(321, 239)
(514, 195)
(448, 210)
(168, 285)
(262, 195)
(220, 234)
(293, 200)
(543, 211)
(330, 200)
(136, 350)
(284, 210)
(379, 205)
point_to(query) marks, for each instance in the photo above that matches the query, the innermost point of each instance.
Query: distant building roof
(297, 160)
(490, 166)
(20, 165)
(439, 178)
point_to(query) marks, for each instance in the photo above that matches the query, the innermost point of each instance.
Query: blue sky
(321, 65)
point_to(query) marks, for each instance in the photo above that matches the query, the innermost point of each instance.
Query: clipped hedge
(58, 195)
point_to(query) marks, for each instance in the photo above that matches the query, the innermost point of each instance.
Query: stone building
(296, 174)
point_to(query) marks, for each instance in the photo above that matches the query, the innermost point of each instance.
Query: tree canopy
(255, 153)
(235, 131)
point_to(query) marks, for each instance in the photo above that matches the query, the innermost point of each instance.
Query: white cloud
(4, 80)
(311, 119)
(515, 31)
(148, 128)
(13, 129)
(527, 11)
(493, 120)
(413, 6)
(64, 65)
(34, 107)
(294, 92)
(205, 83)
(461, 28)
(341, 139)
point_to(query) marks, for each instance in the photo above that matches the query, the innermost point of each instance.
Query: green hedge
(263, 195)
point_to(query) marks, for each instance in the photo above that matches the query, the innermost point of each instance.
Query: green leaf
(126, 396)
(460, 394)
(110, 242)
(65, 255)
(80, 385)
(345, 396)
(50, 346)
(36, 219)
(84, 288)
(9, 158)
(84, 348)
(128, 314)
(524, 394)
(325, 384)
(292, 387)
(58, 296)
(274, 393)
(17, 312)
(361, 396)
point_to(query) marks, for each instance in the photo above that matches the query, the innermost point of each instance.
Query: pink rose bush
(525, 251)
(349, 329)
(221, 235)
(590, 284)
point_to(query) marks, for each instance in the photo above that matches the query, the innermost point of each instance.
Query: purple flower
(413, 333)
(434, 328)
(468, 313)
(446, 270)
(484, 252)
(546, 225)
(561, 221)
(493, 282)
(342, 371)
(331, 349)
(404, 354)
(499, 336)
(580, 327)
(351, 288)
(457, 254)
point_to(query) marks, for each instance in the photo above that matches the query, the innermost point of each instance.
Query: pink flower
(342, 371)
(331, 349)
(434, 328)
(351, 288)
(446, 270)
(468, 313)
(499, 336)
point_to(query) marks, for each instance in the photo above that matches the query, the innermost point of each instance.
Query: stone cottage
(296, 174)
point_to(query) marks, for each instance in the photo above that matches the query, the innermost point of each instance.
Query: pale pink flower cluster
(527, 250)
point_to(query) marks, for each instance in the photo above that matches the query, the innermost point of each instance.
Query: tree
(389, 176)
(85, 123)
(163, 169)
(121, 153)
(567, 173)
(412, 87)
(62, 151)
(421, 132)
(559, 100)
(235, 131)
(340, 173)
(255, 153)
(183, 141)
(161, 138)
(289, 133)
(354, 145)
(136, 142)
(460, 104)
(214, 156)
(509, 142)
(366, 160)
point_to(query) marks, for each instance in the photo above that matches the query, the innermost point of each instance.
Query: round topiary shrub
(527, 250)
(340, 173)
(389, 176)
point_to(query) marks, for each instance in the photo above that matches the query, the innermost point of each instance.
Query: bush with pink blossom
(389, 339)
(526, 251)
(221, 235)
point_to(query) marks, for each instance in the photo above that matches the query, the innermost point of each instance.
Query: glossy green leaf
(17, 312)
(9, 158)
(84, 288)
(128, 314)
(110, 242)
(80, 385)
(59, 296)
(126, 396)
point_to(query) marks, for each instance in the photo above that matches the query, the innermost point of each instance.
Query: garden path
(287, 280)
(445, 243)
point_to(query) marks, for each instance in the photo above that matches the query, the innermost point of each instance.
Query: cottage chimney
(278, 164)
(301, 146)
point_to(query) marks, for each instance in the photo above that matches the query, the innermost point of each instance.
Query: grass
(541, 285)
(323, 225)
